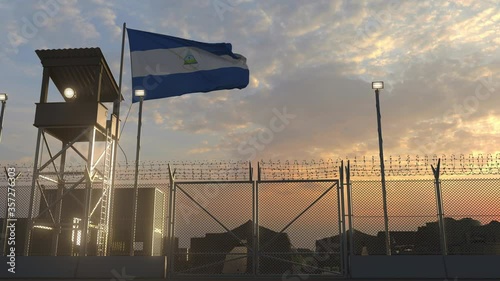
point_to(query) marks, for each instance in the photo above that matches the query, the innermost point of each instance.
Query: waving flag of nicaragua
(166, 66)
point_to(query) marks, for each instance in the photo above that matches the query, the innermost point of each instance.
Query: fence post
(439, 201)
(257, 227)
(171, 222)
(340, 207)
(349, 210)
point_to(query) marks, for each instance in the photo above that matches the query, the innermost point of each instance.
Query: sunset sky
(440, 61)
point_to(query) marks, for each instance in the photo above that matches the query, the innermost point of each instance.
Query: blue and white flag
(166, 66)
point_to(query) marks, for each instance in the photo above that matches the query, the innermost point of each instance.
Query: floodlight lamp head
(3, 97)
(139, 93)
(69, 93)
(378, 85)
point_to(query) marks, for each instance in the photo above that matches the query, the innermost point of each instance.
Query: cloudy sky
(311, 64)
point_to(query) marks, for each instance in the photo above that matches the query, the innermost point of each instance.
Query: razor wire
(225, 170)
(155, 171)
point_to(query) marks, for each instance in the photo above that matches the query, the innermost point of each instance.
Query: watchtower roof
(79, 69)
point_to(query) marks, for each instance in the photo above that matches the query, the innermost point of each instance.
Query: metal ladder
(103, 227)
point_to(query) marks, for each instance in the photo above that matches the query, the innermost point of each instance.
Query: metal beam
(99, 82)
(50, 155)
(45, 200)
(27, 238)
(67, 191)
(88, 194)
(60, 191)
(44, 93)
(79, 153)
(99, 158)
(48, 179)
(62, 151)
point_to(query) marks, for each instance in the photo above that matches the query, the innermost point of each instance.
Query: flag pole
(116, 112)
(137, 150)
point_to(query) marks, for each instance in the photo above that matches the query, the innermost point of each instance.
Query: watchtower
(83, 127)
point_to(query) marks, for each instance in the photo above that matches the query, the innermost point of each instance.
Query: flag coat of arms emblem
(166, 66)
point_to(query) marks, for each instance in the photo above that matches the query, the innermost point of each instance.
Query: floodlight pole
(116, 112)
(117, 103)
(1, 118)
(134, 206)
(382, 175)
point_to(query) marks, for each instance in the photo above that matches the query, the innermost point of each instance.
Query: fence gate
(213, 229)
(300, 225)
(243, 228)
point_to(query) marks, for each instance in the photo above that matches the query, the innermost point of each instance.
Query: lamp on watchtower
(82, 125)
(69, 94)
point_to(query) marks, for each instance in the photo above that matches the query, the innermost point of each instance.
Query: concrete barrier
(397, 267)
(123, 267)
(119, 268)
(473, 266)
(40, 267)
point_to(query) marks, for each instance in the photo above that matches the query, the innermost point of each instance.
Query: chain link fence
(299, 231)
(470, 192)
(471, 217)
(213, 228)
